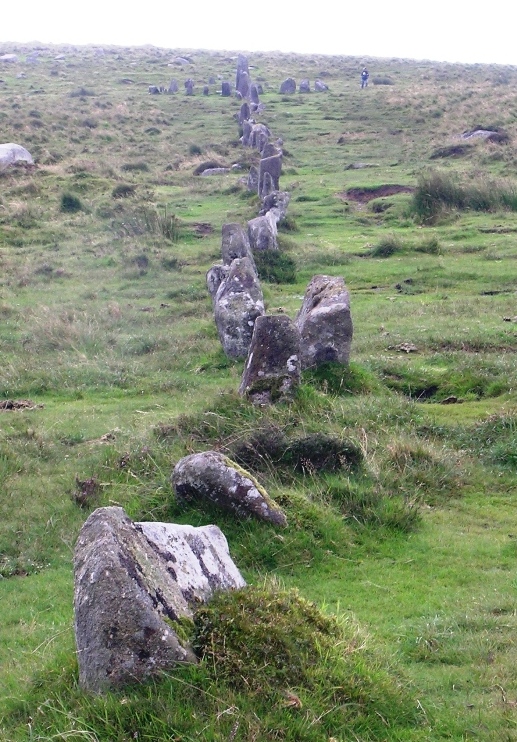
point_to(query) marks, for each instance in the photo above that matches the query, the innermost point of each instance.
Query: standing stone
(267, 185)
(133, 581)
(320, 86)
(173, 87)
(189, 86)
(272, 370)
(253, 179)
(288, 87)
(305, 86)
(244, 113)
(154, 90)
(237, 305)
(214, 477)
(242, 77)
(211, 80)
(273, 167)
(254, 94)
(214, 278)
(226, 89)
(247, 127)
(270, 150)
(259, 136)
(276, 203)
(325, 322)
(235, 244)
(206, 90)
(263, 232)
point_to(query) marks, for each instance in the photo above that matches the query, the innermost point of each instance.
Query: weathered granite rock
(267, 186)
(173, 87)
(304, 87)
(270, 150)
(272, 369)
(214, 278)
(189, 86)
(276, 203)
(242, 77)
(211, 80)
(214, 477)
(235, 243)
(154, 90)
(215, 171)
(131, 581)
(253, 178)
(320, 86)
(272, 166)
(247, 128)
(254, 94)
(237, 304)
(244, 113)
(288, 87)
(226, 89)
(325, 322)
(206, 90)
(259, 136)
(9, 58)
(12, 154)
(263, 232)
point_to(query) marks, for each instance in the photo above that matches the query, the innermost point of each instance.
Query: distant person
(364, 78)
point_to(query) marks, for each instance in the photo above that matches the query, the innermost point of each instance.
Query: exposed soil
(18, 404)
(363, 195)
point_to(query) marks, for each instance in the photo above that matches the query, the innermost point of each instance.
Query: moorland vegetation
(397, 569)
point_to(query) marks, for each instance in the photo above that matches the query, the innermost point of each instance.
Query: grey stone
(154, 90)
(237, 304)
(247, 128)
(235, 244)
(276, 203)
(320, 86)
(259, 136)
(273, 167)
(189, 86)
(270, 150)
(288, 87)
(132, 581)
(214, 477)
(211, 80)
(244, 113)
(242, 77)
(260, 89)
(267, 185)
(206, 90)
(254, 94)
(325, 322)
(263, 232)
(253, 179)
(214, 278)
(304, 87)
(215, 171)
(181, 61)
(9, 58)
(226, 89)
(272, 369)
(12, 154)
(173, 87)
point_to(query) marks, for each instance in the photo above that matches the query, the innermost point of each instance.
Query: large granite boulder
(12, 154)
(272, 370)
(214, 477)
(288, 87)
(325, 322)
(237, 304)
(235, 244)
(133, 581)
(262, 231)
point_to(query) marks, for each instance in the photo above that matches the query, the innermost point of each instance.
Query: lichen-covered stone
(325, 322)
(272, 369)
(212, 476)
(133, 583)
(263, 232)
(235, 243)
(214, 278)
(288, 87)
(237, 304)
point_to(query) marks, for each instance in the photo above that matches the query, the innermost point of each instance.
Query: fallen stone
(320, 87)
(324, 322)
(214, 477)
(272, 370)
(132, 583)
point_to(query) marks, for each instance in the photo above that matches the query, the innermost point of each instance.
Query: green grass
(408, 546)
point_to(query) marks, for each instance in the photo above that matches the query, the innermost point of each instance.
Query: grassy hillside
(106, 329)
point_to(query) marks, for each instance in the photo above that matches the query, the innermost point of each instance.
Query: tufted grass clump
(275, 266)
(388, 246)
(70, 204)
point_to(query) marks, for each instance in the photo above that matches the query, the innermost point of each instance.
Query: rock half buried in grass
(136, 584)
(325, 322)
(272, 370)
(212, 476)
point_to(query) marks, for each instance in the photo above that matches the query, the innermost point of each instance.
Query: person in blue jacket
(364, 78)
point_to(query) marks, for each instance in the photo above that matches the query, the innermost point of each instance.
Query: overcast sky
(441, 30)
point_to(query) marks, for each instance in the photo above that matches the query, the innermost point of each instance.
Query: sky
(441, 30)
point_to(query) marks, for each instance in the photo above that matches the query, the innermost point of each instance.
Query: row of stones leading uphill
(136, 582)
(276, 348)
